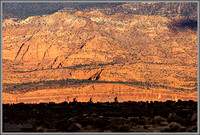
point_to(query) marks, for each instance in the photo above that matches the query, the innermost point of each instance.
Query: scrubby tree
(90, 100)
(116, 100)
(74, 100)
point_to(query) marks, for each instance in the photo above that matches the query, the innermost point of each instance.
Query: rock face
(96, 76)
(121, 49)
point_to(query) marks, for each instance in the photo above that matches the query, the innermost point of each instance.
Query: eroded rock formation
(129, 48)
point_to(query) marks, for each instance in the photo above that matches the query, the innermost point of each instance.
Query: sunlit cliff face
(132, 57)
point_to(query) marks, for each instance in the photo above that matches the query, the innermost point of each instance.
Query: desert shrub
(74, 100)
(174, 126)
(90, 101)
(133, 120)
(165, 129)
(120, 125)
(182, 129)
(62, 125)
(101, 122)
(74, 127)
(173, 117)
(158, 119)
(121, 128)
(116, 100)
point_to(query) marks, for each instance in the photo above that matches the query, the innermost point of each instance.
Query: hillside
(92, 54)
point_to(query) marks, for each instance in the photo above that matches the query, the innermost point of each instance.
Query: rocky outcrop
(96, 76)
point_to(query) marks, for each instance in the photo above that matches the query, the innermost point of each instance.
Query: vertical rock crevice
(18, 51)
(24, 53)
(96, 76)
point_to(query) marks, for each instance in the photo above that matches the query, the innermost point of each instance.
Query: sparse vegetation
(91, 66)
(55, 84)
(169, 116)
